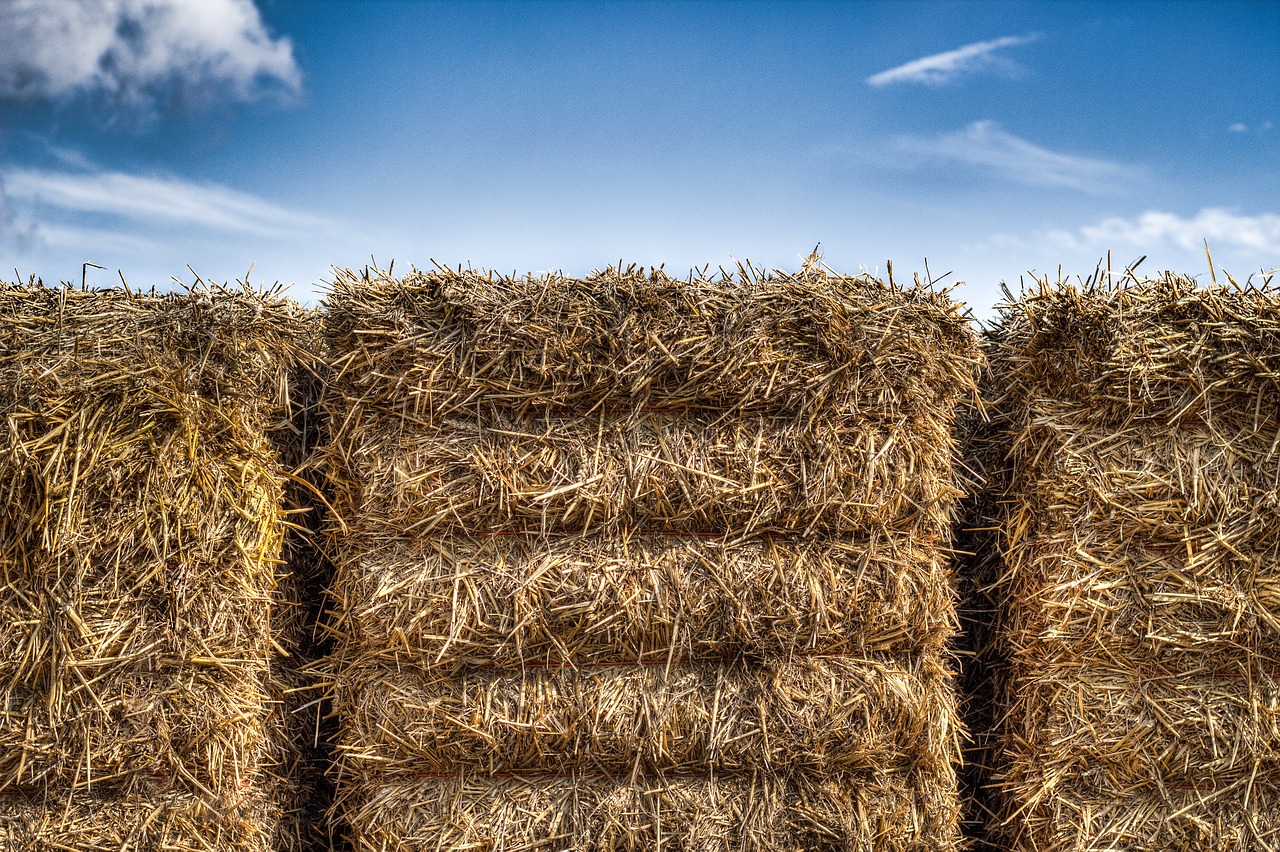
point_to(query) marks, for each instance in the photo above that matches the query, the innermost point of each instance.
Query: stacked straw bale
(628, 562)
(141, 527)
(1139, 595)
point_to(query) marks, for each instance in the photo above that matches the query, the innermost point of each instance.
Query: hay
(161, 818)
(514, 600)
(1163, 350)
(1139, 636)
(758, 813)
(140, 555)
(808, 343)
(742, 472)
(820, 715)
(627, 561)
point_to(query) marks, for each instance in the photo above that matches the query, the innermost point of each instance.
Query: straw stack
(1140, 590)
(141, 526)
(628, 562)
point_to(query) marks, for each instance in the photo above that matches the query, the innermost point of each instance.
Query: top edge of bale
(238, 340)
(1165, 347)
(642, 337)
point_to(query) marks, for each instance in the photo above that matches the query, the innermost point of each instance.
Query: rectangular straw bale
(1158, 484)
(1139, 632)
(1082, 815)
(1158, 349)
(435, 342)
(1126, 728)
(1197, 599)
(171, 820)
(706, 472)
(512, 600)
(711, 481)
(140, 549)
(894, 812)
(827, 715)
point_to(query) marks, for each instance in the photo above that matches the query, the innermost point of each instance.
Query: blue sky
(988, 138)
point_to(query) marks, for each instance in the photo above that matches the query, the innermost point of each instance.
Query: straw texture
(140, 547)
(758, 813)
(430, 344)
(697, 472)
(160, 819)
(513, 600)
(824, 715)
(629, 561)
(1139, 632)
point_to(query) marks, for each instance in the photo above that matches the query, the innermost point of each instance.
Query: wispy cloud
(1238, 127)
(986, 145)
(158, 200)
(942, 68)
(1259, 233)
(82, 240)
(136, 53)
(14, 234)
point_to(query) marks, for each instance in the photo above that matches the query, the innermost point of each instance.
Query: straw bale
(169, 820)
(758, 813)
(623, 535)
(140, 550)
(1124, 597)
(1157, 483)
(511, 600)
(1237, 815)
(1164, 349)
(1138, 644)
(829, 715)
(1124, 727)
(806, 342)
(749, 473)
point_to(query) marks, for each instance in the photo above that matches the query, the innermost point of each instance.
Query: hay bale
(432, 343)
(1162, 350)
(140, 553)
(759, 813)
(627, 561)
(1092, 816)
(1139, 632)
(821, 715)
(513, 600)
(655, 470)
(162, 817)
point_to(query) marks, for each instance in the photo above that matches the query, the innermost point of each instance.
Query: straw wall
(1139, 632)
(627, 561)
(140, 542)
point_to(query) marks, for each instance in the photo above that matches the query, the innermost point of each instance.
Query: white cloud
(1153, 229)
(137, 52)
(1238, 127)
(986, 145)
(158, 200)
(941, 68)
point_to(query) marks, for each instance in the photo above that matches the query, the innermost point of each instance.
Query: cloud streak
(137, 53)
(155, 200)
(985, 145)
(942, 68)
(1222, 228)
